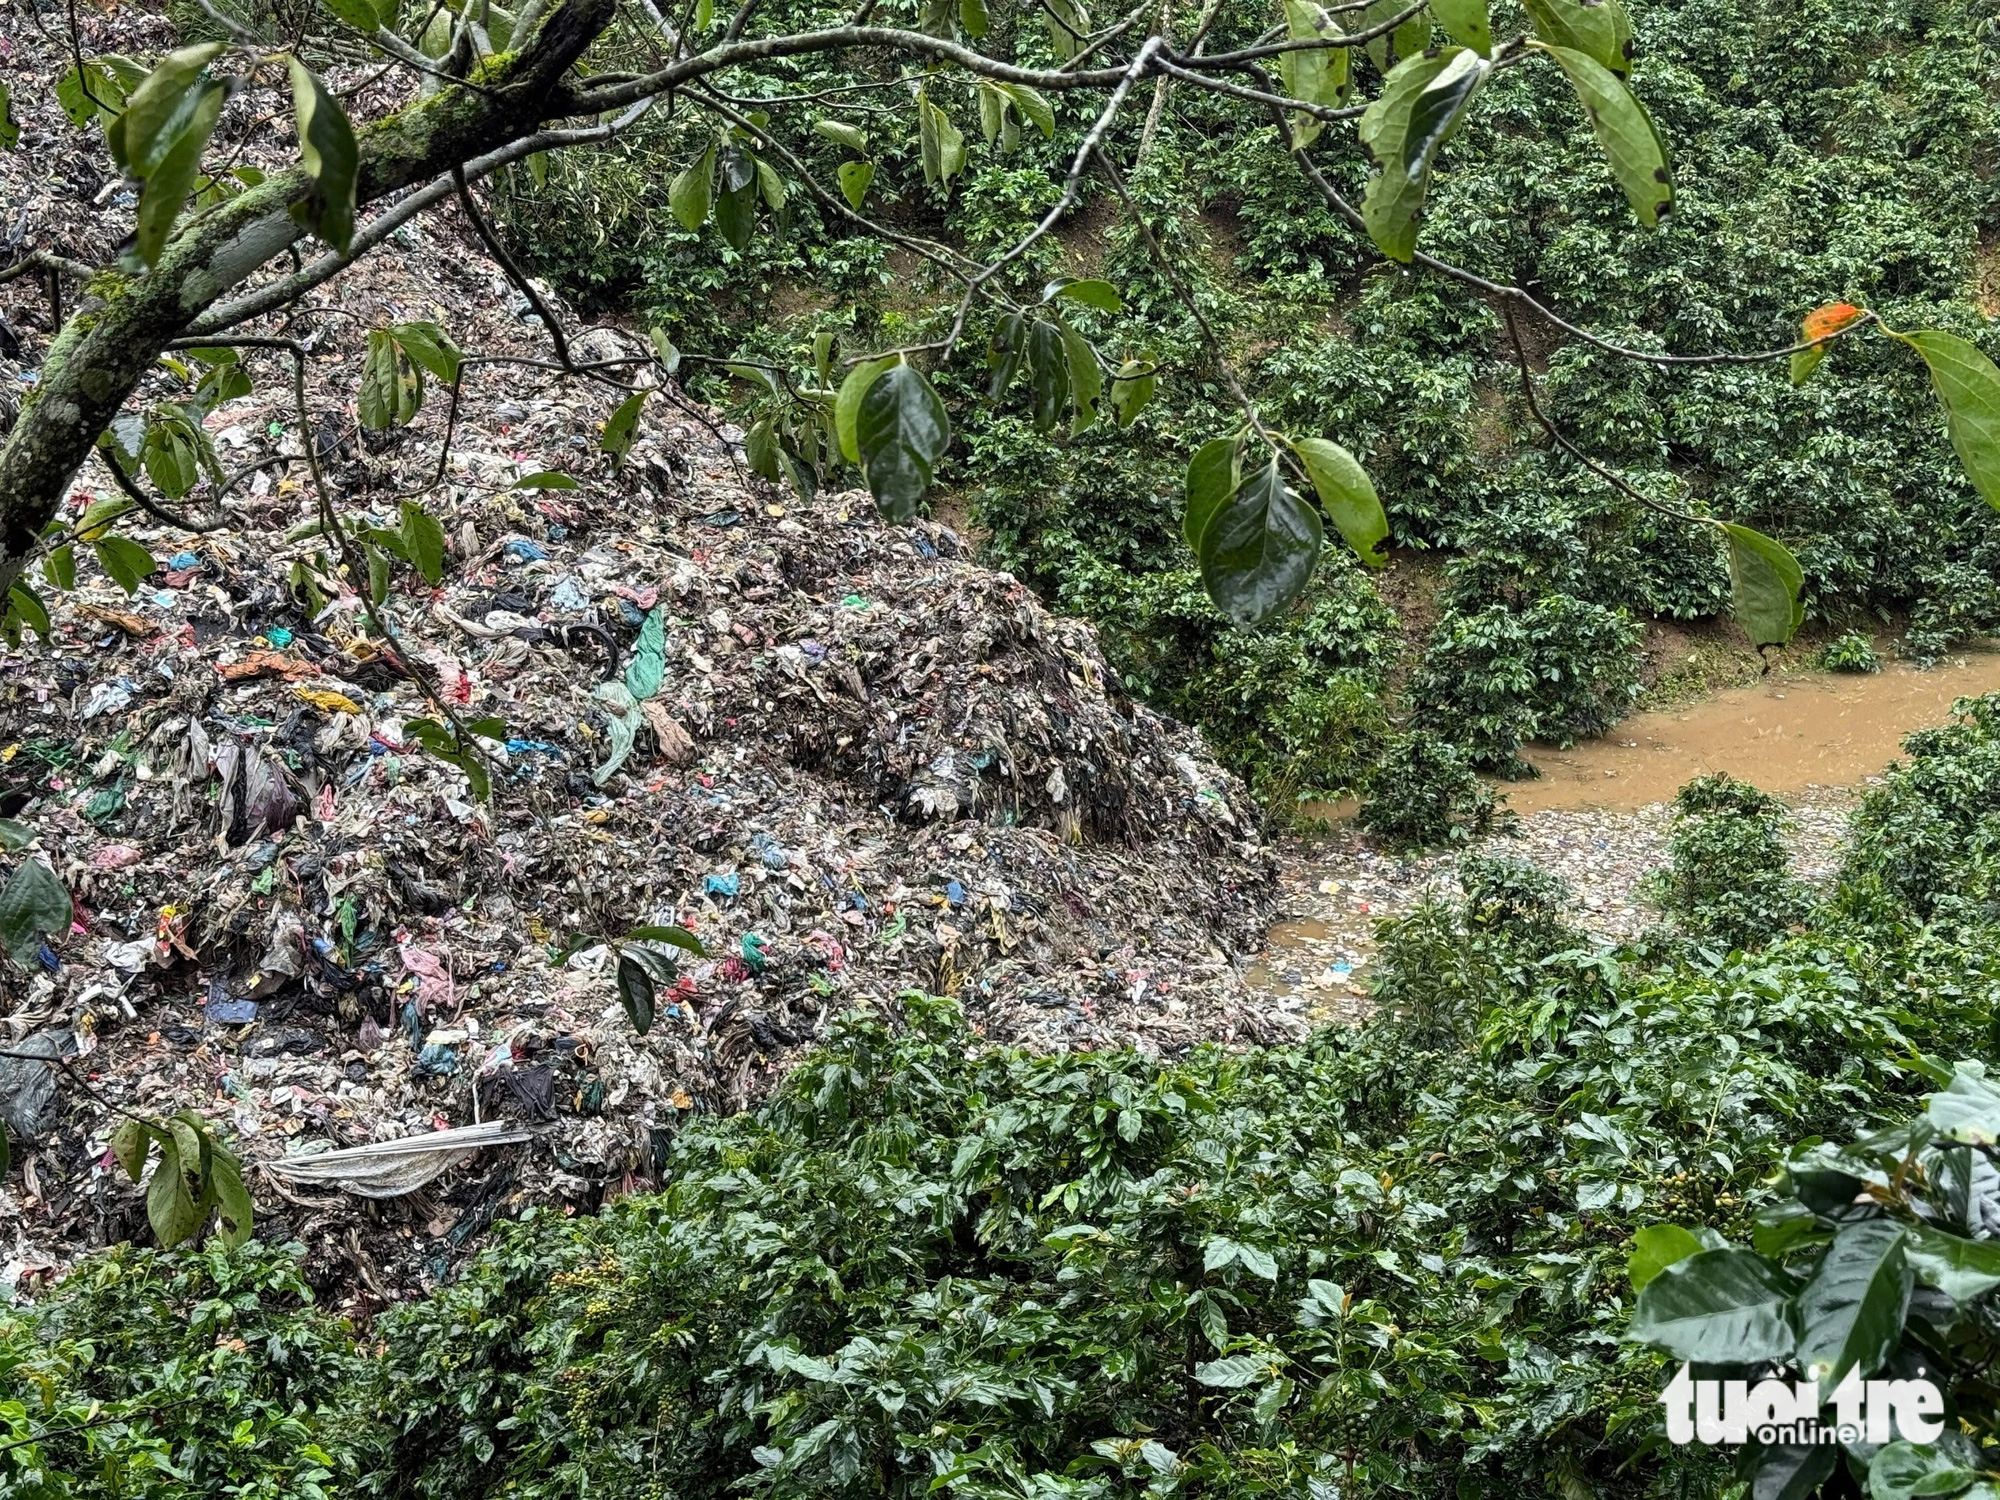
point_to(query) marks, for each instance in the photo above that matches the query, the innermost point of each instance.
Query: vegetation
(1390, 1261)
(1730, 881)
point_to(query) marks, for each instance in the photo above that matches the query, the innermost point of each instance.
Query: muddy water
(1786, 735)
(1594, 817)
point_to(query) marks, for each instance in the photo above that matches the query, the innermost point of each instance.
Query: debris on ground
(845, 757)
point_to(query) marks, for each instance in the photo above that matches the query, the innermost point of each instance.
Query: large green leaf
(158, 110)
(1903, 1470)
(1440, 106)
(1211, 479)
(327, 150)
(1657, 1247)
(1048, 372)
(392, 386)
(1721, 1306)
(225, 1185)
(1259, 548)
(1131, 390)
(1005, 353)
(129, 1144)
(1851, 1312)
(170, 1207)
(855, 176)
(1967, 1110)
(1466, 22)
(1764, 583)
(901, 431)
(847, 405)
(736, 202)
(1599, 29)
(1969, 386)
(1317, 75)
(1625, 131)
(1347, 495)
(32, 904)
(1086, 377)
(1232, 1373)
(1032, 107)
(128, 563)
(423, 541)
(621, 428)
(1962, 1269)
(170, 182)
(635, 992)
(1395, 198)
(689, 194)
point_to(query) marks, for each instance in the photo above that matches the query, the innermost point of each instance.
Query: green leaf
(847, 405)
(1101, 295)
(972, 18)
(238, 1213)
(33, 904)
(170, 182)
(1851, 1311)
(1792, 1471)
(1086, 377)
(1721, 1306)
(169, 1207)
(1315, 75)
(1466, 22)
(360, 14)
(1005, 353)
(940, 143)
(1625, 131)
(159, 109)
(635, 992)
(622, 427)
(1966, 1111)
(1395, 198)
(10, 137)
(1236, 1371)
(680, 937)
(1657, 1247)
(1131, 390)
(736, 216)
(1764, 581)
(1048, 371)
(423, 541)
(544, 479)
(15, 835)
(1259, 548)
(1969, 386)
(1211, 479)
(327, 150)
(1439, 107)
(1961, 1269)
(842, 133)
(1032, 107)
(689, 194)
(1069, 24)
(771, 186)
(129, 1144)
(1903, 1470)
(1806, 361)
(25, 605)
(855, 176)
(992, 110)
(392, 387)
(431, 347)
(1347, 495)
(128, 563)
(1599, 29)
(901, 432)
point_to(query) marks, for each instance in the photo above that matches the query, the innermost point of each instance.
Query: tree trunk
(106, 347)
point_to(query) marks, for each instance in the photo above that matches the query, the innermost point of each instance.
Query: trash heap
(845, 756)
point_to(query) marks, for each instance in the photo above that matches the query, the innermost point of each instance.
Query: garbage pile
(846, 757)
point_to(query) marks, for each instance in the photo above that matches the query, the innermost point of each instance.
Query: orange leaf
(1830, 319)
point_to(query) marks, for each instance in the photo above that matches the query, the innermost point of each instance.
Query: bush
(1424, 794)
(1925, 844)
(180, 1376)
(1558, 670)
(1852, 652)
(1441, 968)
(1729, 880)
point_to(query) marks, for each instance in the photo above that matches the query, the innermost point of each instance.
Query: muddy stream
(1598, 815)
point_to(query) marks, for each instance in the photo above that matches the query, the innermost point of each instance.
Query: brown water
(1785, 734)
(1804, 737)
